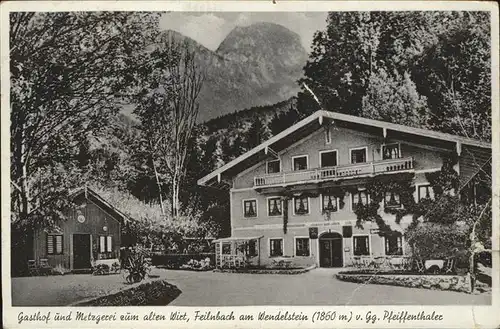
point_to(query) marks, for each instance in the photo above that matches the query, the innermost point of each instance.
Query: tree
(69, 73)
(455, 76)
(338, 68)
(445, 54)
(256, 134)
(284, 120)
(168, 110)
(226, 149)
(395, 99)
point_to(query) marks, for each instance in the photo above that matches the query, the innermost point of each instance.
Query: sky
(210, 28)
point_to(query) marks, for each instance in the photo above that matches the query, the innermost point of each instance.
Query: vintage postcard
(234, 164)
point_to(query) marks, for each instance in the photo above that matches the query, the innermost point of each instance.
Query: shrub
(137, 265)
(101, 269)
(438, 241)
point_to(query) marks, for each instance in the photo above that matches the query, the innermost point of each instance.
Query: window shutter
(109, 245)
(59, 244)
(102, 244)
(50, 244)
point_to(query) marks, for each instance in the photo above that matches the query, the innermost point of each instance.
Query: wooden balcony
(332, 173)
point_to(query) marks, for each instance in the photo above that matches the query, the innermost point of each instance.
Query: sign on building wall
(313, 232)
(347, 231)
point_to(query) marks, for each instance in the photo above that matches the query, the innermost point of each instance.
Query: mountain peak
(261, 39)
(255, 65)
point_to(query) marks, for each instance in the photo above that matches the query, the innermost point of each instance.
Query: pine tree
(283, 120)
(256, 134)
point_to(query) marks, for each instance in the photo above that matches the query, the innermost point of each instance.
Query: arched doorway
(331, 250)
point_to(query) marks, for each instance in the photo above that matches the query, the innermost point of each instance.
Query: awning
(234, 238)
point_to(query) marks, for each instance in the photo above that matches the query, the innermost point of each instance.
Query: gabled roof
(314, 122)
(101, 202)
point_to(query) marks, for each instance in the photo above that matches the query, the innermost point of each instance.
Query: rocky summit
(253, 66)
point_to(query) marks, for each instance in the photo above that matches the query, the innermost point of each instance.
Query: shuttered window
(105, 244)
(54, 244)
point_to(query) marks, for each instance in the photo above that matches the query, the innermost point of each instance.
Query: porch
(237, 252)
(337, 172)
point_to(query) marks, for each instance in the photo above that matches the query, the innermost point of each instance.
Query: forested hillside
(426, 69)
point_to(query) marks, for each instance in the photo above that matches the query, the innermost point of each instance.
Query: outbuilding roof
(95, 197)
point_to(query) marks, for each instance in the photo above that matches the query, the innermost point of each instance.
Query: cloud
(207, 29)
(210, 29)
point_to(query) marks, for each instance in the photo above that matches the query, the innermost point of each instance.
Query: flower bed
(158, 292)
(266, 270)
(399, 272)
(459, 283)
(176, 261)
(195, 265)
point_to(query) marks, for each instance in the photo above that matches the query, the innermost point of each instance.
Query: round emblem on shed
(80, 218)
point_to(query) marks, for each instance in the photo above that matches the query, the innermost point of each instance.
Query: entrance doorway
(330, 250)
(81, 251)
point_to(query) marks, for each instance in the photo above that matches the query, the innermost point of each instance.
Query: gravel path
(317, 287)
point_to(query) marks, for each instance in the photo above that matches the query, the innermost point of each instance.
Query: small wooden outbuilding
(91, 234)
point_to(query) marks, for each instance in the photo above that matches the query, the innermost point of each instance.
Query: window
(299, 162)
(392, 200)
(274, 207)
(391, 151)
(328, 135)
(301, 205)
(252, 248)
(360, 197)
(328, 158)
(361, 245)
(273, 166)
(54, 244)
(329, 203)
(275, 247)
(226, 248)
(105, 244)
(425, 192)
(358, 155)
(302, 247)
(394, 244)
(250, 208)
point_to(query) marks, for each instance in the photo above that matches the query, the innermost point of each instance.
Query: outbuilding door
(81, 251)
(330, 250)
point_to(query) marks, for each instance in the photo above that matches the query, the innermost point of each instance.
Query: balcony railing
(331, 173)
